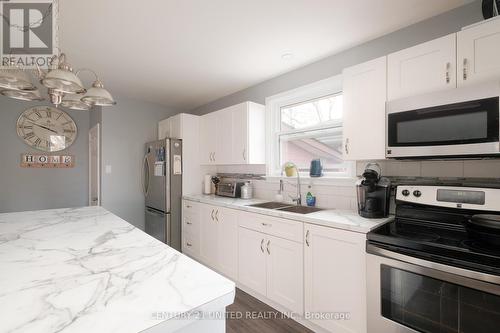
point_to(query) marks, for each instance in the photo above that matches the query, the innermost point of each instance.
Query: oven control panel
(451, 196)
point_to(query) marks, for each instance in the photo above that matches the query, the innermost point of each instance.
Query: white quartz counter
(87, 270)
(340, 219)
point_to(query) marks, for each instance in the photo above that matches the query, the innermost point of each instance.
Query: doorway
(95, 166)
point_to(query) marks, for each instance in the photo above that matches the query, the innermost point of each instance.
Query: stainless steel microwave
(461, 123)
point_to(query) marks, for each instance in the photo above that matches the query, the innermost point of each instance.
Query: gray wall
(126, 127)
(415, 34)
(31, 189)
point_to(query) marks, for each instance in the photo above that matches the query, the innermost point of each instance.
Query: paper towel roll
(207, 184)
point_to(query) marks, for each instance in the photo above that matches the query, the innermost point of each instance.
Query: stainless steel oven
(408, 295)
(462, 122)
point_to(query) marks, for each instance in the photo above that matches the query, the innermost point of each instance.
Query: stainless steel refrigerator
(162, 187)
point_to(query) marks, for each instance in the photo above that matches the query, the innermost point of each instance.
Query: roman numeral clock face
(46, 128)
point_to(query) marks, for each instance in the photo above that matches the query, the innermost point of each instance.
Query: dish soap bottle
(310, 199)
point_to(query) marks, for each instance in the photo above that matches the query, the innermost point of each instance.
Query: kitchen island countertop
(87, 270)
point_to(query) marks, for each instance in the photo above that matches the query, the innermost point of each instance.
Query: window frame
(308, 93)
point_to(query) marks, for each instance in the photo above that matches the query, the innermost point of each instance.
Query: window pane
(311, 113)
(324, 144)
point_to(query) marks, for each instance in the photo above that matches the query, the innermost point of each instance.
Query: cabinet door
(364, 100)
(478, 53)
(175, 127)
(208, 236)
(285, 273)
(423, 68)
(227, 242)
(335, 277)
(239, 140)
(224, 136)
(252, 260)
(164, 129)
(208, 142)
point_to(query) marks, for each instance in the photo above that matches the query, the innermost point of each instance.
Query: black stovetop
(447, 243)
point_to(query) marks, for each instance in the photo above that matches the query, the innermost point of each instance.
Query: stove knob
(405, 193)
(417, 193)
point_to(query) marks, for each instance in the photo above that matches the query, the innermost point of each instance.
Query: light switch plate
(108, 169)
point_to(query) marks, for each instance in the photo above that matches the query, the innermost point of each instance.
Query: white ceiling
(185, 53)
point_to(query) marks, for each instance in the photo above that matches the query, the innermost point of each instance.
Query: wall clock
(46, 128)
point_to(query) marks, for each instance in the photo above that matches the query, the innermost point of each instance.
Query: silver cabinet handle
(447, 76)
(465, 69)
(267, 247)
(214, 157)
(262, 245)
(346, 146)
(244, 154)
(189, 206)
(188, 223)
(212, 214)
(266, 224)
(189, 244)
(217, 215)
(307, 238)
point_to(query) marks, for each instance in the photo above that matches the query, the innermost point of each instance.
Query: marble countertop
(87, 270)
(340, 219)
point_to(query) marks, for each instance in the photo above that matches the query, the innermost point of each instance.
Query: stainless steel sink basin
(286, 207)
(300, 209)
(271, 205)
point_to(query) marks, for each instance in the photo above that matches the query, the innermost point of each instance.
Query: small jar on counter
(247, 191)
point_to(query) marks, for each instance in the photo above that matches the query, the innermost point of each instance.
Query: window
(306, 124)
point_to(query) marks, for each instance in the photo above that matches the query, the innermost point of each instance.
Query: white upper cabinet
(423, 68)
(478, 52)
(365, 93)
(235, 135)
(208, 138)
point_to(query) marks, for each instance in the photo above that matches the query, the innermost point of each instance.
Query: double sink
(284, 207)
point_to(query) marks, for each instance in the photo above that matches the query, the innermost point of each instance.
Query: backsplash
(438, 169)
(343, 195)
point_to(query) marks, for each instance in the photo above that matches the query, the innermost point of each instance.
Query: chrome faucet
(289, 166)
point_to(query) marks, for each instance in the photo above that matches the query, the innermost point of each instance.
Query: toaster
(230, 189)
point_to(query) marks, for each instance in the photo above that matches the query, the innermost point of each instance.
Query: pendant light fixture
(64, 86)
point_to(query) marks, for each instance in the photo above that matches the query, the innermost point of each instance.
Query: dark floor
(248, 315)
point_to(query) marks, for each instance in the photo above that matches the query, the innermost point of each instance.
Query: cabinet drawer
(287, 229)
(191, 245)
(190, 206)
(191, 223)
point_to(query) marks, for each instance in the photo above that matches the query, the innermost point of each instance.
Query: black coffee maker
(374, 193)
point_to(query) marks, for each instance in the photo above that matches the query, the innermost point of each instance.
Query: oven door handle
(460, 276)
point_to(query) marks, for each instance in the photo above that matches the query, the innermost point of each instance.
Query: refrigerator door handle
(144, 181)
(153, 212)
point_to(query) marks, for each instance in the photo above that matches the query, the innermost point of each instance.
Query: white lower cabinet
(269, 265)
(227, 242)
(252, 260)
(285, 267)
(208, 236)
(310, 270)
(217, 240)
(335, 278)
